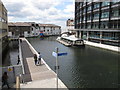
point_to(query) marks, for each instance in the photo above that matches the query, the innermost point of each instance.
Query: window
(114, 1)
(80, 4)
(89, 8)
(0, 31)
(84, 10)
(88, 25)
(114, 24)
(95, 25)
(105, 15)
(96, 16)
(28, 32)
(89, 17)
(84, 18)
(83, 26)
(104, 25)
(0, 19)
(105, 3)
(115, 13)
(96, 5)
(48, 30)
(32, 24)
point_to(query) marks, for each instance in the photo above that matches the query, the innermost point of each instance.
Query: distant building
(25, 29)
(31, 29)
(3, 28)
(98, 21)
(70, 24)
(50, 29)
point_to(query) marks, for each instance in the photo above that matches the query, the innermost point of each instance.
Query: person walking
(18, 60)
(35, 59)
(5, 80)
(39, 58)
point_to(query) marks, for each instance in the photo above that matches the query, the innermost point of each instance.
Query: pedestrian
(18, 60)
(35, 59)
(39, 58)
(21, 40)
(5, 80)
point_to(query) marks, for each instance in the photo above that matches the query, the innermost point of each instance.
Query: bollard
(17, 83)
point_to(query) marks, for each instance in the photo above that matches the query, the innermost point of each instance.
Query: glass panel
(96, 5)
(105, 3)
(96, 16)
(105, 15)
(89, 8)
(115, 13)
(104, 25)
(89, 17)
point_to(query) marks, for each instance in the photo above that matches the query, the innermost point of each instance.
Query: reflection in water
(87, 67)
(11, 53)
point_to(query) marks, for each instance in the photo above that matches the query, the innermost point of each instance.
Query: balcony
(115, 18)
(104, 19)
(95, 10)
(96, 20)
(116, 5)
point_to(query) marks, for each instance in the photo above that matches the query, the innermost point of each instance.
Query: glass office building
(98, 21)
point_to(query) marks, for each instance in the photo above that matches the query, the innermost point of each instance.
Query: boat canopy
(72, 38)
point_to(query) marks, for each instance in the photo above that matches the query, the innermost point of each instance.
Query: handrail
(21, 59)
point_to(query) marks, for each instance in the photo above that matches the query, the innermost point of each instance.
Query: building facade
(25, 29)
(98, 21)
(3, 28)
(31, 29)
(50, 29)
(70, 24)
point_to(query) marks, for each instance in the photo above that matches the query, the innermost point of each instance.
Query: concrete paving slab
(47, 83)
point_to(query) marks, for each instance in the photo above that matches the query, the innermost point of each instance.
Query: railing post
(17, 83)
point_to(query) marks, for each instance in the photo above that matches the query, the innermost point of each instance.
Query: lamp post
(56, 67)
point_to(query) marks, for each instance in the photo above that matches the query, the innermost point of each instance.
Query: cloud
(69, 8)
(41, 11)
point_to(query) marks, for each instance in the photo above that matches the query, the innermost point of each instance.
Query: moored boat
(70, 40)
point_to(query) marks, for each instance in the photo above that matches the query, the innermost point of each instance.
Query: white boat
(70, 40)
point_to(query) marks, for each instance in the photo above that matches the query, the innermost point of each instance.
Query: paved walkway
(37, 76)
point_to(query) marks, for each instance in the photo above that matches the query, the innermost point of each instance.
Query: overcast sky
(40, 11)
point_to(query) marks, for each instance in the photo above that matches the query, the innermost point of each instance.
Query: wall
(12, 71)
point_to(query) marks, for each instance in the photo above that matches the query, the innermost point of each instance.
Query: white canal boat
(70, 40)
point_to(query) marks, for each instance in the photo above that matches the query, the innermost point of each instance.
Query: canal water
(83, 67)
(10, 57)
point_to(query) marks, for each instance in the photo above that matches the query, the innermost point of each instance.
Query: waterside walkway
(108, 47)
(37, 76)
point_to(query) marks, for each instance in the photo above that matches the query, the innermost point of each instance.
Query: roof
(72, 38)
(49, 25)
(20, 23)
